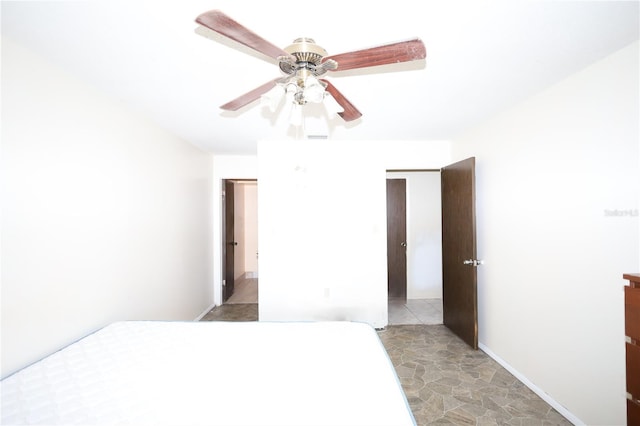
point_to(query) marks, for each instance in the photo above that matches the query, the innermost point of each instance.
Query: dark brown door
(397, 237)
(459, 278)
(229, 242)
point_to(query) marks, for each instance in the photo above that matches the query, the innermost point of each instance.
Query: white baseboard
(205, 312)
(542, 394)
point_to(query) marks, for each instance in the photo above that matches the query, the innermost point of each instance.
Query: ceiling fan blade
(350, 112)
(222, 24)
(249, 97)
(403, 51)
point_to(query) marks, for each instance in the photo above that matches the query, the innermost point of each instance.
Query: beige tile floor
(415, 311)
(245, 291)
(445, 381)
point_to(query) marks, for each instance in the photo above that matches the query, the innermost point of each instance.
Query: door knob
(403, 244)
(473, 262)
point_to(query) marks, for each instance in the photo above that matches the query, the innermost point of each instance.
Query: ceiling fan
(304, 61)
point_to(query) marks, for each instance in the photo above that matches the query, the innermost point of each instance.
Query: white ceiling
(482, 57)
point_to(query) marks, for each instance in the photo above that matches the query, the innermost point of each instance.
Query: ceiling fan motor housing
(305, 56)
(305, 49)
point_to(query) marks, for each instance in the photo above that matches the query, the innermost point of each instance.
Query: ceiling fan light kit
(303, 62)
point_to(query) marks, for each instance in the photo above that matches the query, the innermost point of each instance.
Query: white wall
(246, 228)
(322, 244)
(105, 216)
(424, 233)
(251, 229)
(238, 230)
(550, 294)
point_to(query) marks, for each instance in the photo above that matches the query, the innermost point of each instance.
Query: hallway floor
(245, 291)
(401, 311)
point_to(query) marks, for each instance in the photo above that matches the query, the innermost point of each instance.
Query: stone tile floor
(233, 312)
(445, 381)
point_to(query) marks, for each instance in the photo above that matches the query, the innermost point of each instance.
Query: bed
(212, 373)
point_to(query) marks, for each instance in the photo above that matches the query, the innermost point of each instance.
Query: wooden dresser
(632, 331)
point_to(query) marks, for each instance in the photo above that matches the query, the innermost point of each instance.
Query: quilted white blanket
(212, 373)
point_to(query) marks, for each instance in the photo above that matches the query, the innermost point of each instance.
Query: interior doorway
(419, 253)
(457, 247)
(240, 245)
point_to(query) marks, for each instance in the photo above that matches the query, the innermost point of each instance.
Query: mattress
(212, 373)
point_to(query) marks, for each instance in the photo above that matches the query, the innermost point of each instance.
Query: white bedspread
(212, 373)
